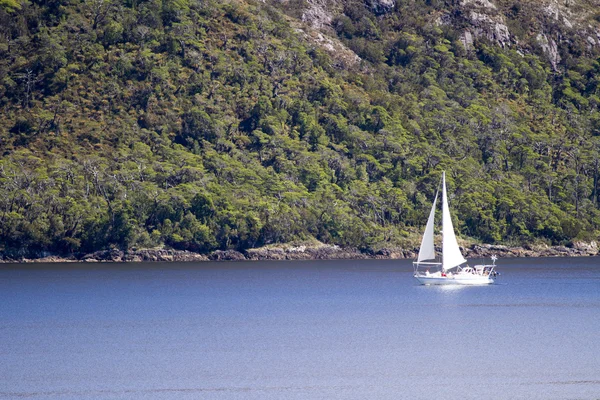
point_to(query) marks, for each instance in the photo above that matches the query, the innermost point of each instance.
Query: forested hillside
(202, 125)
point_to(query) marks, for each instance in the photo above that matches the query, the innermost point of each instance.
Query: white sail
(451, 255)
(427, 250)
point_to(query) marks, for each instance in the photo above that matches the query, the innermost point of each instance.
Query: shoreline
(306, 252)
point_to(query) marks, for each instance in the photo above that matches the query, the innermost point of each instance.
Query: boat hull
(455, 280)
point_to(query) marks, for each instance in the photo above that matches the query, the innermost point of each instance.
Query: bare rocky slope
(551, 26)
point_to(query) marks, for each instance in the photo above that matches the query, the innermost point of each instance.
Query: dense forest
(204, 124)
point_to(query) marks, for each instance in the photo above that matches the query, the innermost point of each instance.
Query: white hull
(459, 279)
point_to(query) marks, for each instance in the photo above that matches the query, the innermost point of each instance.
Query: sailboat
(448, 270)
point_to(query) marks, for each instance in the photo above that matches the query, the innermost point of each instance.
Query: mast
(451, 255)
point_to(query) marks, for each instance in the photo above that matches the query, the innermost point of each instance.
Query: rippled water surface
(298, 330)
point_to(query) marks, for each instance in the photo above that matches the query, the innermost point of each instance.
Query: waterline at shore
(306, 252)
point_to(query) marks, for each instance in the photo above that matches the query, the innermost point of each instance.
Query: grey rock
(381, 6)
(226, 255)
(466, 38)
(494, 28)
(104, 255)
(550, 49)
(317, 14)
(318, 252)
(479, 3)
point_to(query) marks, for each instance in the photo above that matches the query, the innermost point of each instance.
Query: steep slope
(205, 124)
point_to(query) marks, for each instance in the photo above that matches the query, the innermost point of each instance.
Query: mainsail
(451, 255)
(427, 250)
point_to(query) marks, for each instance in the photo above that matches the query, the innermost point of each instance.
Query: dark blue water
(298, 330)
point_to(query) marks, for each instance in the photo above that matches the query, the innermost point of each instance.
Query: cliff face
(548, 27)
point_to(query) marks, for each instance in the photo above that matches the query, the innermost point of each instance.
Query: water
(298, 330)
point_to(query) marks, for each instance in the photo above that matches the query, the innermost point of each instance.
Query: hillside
(203, 125)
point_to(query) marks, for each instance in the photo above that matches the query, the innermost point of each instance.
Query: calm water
(298, 330)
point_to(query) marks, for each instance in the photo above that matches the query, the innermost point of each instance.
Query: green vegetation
(206, 125)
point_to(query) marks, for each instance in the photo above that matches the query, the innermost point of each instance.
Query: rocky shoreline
(307, 252)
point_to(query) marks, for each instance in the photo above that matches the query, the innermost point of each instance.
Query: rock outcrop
(226, 255)
(381, 6)
(318, 14)
(466, 38)
(578, 249)
(303, 252)
(550, 49)
(551, 24)
(142, 255)
(342, 56)
(492, 27)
